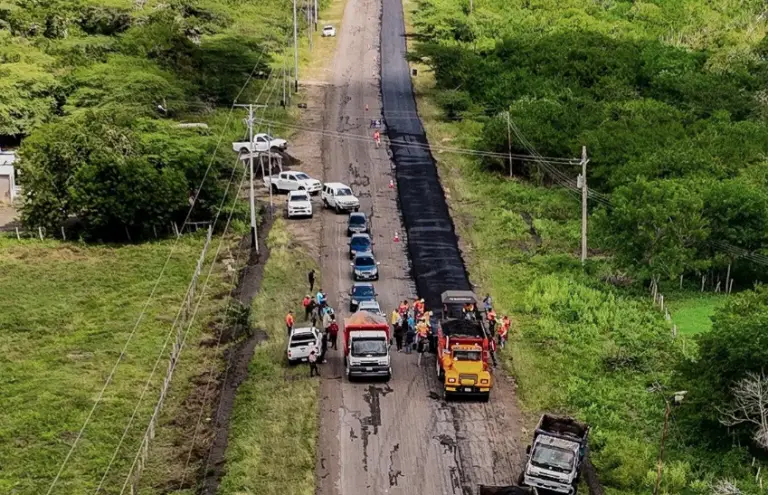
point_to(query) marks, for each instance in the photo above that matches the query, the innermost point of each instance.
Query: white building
(9, 191)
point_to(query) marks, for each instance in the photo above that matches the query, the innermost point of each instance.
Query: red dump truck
(366, 346)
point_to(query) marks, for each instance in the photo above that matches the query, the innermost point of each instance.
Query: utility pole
(584, 192)
(295, 50)
(269, 164)
(676, 400)
(315, 15)
(471, 6)
(309, 24)
(509, 144)
(250, 121)
(285, 102)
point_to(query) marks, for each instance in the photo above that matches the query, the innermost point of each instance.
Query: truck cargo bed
(462, 328)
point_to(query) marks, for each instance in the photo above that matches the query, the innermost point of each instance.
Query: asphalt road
(398, 437)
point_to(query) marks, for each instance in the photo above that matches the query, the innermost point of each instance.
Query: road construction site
(396, 437)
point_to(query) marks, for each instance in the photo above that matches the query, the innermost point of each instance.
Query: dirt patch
(214, 392)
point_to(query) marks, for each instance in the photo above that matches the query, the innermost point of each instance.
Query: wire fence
(73, 233)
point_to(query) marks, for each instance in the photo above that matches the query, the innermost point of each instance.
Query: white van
(339, 197)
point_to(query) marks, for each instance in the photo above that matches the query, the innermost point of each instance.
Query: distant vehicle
(339, 197)
(360, 243)
(298, 204)
(371, 306)
(555, 459)
(361, 292)
(358, 224)
(329, 31)
(293, 181)
(365, 267)
(301, 342)
(261, 143)
(366, 346)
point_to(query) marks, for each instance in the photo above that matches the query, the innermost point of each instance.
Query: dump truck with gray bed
(556, 456)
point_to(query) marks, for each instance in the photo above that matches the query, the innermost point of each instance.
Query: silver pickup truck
(293, 181)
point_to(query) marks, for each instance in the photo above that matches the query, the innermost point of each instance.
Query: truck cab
(366, 346)
(556, 455)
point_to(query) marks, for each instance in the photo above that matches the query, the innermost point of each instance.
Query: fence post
(703, 279)
(730, 287)
(681, 282)
(717, 287)
(661, 301)
(18, 237)
(40, 232)
(727, 277)
(63, 235)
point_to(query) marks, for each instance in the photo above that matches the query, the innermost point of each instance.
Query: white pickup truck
(261, 144)
(292, 181)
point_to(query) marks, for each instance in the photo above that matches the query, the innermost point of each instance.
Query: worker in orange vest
(422, 331)
(289, 321)
(504, 330)
(403, 308)
(377, 137)
(491, 316)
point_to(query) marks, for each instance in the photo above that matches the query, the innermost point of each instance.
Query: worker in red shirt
(403, 308)
(504, 330)
(309, 305)
(333, 332)
(289, 321)
(377, 137)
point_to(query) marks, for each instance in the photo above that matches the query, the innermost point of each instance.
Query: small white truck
(261, 144)
(293, 181)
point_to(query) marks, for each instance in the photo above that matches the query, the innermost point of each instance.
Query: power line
(154, 289)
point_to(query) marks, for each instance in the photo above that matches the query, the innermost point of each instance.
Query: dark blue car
(361, 291)
(360, 243)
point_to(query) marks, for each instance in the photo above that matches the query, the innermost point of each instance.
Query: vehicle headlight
(484, 381)
(451, 380)
(354, 301)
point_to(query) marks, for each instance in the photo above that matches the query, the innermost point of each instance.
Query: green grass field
(69, 310)
(274, 424)
(692, 314)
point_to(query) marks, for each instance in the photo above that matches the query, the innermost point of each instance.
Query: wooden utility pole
(315, 15)
(295, 50)
(584, 196)
(509, 144)
(660, 463)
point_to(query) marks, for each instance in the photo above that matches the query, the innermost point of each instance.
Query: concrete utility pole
(509, 143)
(250, 121)
(315, 15)
(309, 23)
(584, 193)
(295, 50)
(285, 102)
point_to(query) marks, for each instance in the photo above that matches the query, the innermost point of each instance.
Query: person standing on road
(324, 345)
(397, 327)
(315, 314)
(313, 364)
(289, 321)
(504, 331)
(488, 302)
(491, 316)
(333, 332)
(309, 305)
(403, 308)
(421, 334)
(320, 298)
(311, 279)
(377, 137)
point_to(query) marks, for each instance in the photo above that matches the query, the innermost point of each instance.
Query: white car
(372, 307)
(261, 144)
(301, 342)
(298, 204)
(329, 31)
(339, 197)
(293, 181)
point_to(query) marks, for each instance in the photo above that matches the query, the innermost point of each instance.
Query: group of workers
(317, 310)
(412, 322)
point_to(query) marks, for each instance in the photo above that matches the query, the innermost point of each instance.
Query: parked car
(339, 197)
(372, 306)
(261, 143)
(360, 243)
(301, 342)
(329, 31)
(360, 292)
(293, 181)
(365, 267)
(298, 204)
(358, 224)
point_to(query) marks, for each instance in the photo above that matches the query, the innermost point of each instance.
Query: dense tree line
(671, 99)
(82, 87)
(673, 111)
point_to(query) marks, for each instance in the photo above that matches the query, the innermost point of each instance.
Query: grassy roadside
(580, 346)
(274, 424)
(71, 309)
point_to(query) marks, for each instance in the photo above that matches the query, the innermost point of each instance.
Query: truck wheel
(244, 151)
(388, 377)
(486, 397)
(338, 210)
(521, 479)
(275, 190)
(447, 396)
(357, 209)
(439, 370)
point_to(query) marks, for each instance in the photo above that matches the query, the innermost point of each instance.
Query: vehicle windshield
(343, 192)
(302, 176)
(299, 197)
(268, 137)
(360, 243)
(357, 220)
(554, 458)
(365, 261)
(461, 355)
(366, 347)
(362, 291)
(302, 340)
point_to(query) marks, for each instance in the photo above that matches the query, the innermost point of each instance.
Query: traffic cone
(397, 237)
(391, 184)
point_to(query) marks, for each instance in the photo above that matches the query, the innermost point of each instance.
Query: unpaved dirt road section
(397, 437)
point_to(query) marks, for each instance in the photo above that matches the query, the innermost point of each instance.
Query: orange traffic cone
(391, 184)
(397, 237)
